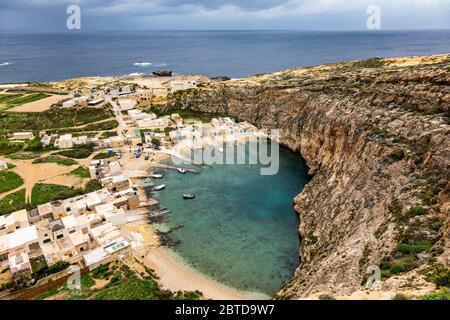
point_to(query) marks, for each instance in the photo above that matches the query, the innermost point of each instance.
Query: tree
(156, 142)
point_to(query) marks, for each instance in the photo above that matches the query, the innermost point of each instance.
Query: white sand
(176, 275)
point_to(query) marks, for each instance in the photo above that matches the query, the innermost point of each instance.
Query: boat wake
(142, 64)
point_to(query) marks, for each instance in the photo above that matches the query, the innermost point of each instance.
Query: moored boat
(156, 176)
(160, 187)
(181, 170)
(188, 196)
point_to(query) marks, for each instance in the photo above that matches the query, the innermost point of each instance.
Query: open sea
(33, 56)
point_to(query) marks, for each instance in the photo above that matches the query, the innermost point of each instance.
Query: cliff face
(375, 135)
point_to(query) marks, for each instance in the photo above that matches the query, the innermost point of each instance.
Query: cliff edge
(375, 135)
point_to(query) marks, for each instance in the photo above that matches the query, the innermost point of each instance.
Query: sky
(51, 15)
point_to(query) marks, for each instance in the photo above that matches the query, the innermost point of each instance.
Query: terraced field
(10, 100)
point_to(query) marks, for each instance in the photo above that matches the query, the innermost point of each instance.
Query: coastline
(176, 275)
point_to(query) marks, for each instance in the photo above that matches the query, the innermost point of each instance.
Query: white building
(3, 165)
(182, 85)
(153, 123)
(112, 251)
(126, 104)
(23, 136)
(112, 214)
(46, 140)
(64, 142)
(177, 119)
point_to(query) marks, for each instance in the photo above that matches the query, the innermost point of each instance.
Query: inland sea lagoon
(241, 229)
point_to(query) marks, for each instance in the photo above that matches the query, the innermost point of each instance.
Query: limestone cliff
(375, 135)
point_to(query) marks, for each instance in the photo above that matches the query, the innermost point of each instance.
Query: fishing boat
(189, 196)
(160, 187)
(181, 170)
(156, 176)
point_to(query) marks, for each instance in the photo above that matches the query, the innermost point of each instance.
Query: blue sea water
(241, 229)
(36, 56)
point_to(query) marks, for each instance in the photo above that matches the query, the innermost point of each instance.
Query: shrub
(7, 148)
(43, 193)
(92, 185)
(401, 296)
(79, 152)
(441, 294)
(156, 142)
(102, 155)
(441, 276)
(406, 248)
(370, 63)
(13, 202)
(326, 297)
(397, 267)
(81, 172)
(418, 211)
(9, 181)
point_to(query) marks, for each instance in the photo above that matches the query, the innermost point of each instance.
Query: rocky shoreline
(375, 135)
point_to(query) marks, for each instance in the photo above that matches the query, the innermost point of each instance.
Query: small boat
(221, 150)
(189, 196)
(181, 170)
(156, 176)
(160, 187)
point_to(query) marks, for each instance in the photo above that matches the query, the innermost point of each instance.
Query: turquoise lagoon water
(241, 229)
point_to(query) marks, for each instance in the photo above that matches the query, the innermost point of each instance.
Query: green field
(56, 159)
(51, 119)
(11, 100)
(43, 193)
(79, 152)
(7, 147)
(81, 172)
(9, 181)
(13, 202)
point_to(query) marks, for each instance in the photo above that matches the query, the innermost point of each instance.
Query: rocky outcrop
(375, 135)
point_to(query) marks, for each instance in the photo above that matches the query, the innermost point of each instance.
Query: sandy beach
(175, 275)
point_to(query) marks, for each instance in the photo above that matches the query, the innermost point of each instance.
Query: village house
(159, 92)
(3, 165)
(16, 220)
(134, 137)
(150, 135)
(22, 239)
(117, 249)
(19, 264)
(46, 140)
(160, 123)
(127, 199)
(79, 102)
(116, 183)
(126, 104)
(64, 141)
(177, 119)
(96, 103)
(116, 142)
(182, 85)
(23, 136)
(144, 97)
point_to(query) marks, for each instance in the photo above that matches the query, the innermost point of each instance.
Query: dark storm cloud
(225, 14)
